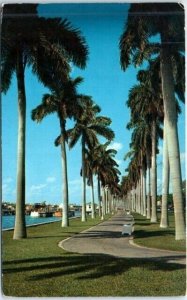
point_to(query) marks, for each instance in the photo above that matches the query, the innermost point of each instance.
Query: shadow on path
(106, 238)
(86, 266)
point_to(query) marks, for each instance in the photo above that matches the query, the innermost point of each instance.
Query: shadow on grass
(97, 234)
(142, 219)
(145, 234)
(87, 266)
(61, 235)
(142, 224)
(112, 224)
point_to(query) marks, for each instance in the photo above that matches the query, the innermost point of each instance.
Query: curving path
(106, 238)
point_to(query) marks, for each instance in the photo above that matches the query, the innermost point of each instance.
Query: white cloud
(7, 189)
(38, 187)
(116, 146)
(50, 179)
(75, 182)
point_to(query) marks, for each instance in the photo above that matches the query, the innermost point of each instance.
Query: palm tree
(46, 45)
(126, 187)
(150, 111)
(166, 19)
(105, 167)
(164, 222)
(89, 169)
(165, 187)
(150, 79)
(141, 140)
(63, 101)
(87, 127)
(133, 179)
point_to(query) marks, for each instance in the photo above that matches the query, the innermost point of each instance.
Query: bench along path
(107, 238)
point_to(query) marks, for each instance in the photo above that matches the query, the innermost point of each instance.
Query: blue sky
(102, 25)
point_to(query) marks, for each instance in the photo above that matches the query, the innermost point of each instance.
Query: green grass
(151, 235)
(36, 266)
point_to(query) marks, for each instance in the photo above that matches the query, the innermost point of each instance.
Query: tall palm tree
(164, 222)
(150, 89)
(166, 19)
(105, 166)
(141, 140)
(63, 101)
(150, 110)
(46, 45)
(87, 127)
(165, 187)
(151, 77)
(89, 172)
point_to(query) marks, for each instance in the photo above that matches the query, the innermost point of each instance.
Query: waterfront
(8, 221)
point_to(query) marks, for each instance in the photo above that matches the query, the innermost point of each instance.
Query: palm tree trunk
(149, 194)
(141, 184)
(172, 138)
(99, 195)
(148, 212)
(83, 182)
(92, 197)
(144, 190)
(136, 198)
(20, 225)
(65, 218)
(107, 201)
(110, 201)
(139, 196)
(165, 182)
(103, 203)
(132, 199)
(154, 176)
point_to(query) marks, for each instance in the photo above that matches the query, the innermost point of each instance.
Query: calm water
(8, 221)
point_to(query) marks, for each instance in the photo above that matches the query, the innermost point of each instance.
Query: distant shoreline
(38, 224)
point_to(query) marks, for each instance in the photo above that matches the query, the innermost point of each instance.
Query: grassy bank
(38, 267)
(151, 235)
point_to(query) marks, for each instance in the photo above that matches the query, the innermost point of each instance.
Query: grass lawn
(151, 235)
(36, 266)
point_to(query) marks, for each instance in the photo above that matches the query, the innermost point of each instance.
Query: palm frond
(74, 135)
(103, 131)
(103, 120)
(90, 138)
(149, 50)
(69, 38)
(8, 67)
(47, 107)
(178, 63)
(57, 141)
(77, 80)
(50, 74)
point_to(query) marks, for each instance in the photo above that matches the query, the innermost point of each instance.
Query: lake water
(8, 221)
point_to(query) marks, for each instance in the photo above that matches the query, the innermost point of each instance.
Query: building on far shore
(89, 207)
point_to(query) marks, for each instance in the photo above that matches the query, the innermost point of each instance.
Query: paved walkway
(106, 238)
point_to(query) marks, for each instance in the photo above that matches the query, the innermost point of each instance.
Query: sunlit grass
(38, 267)
(151, 235)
